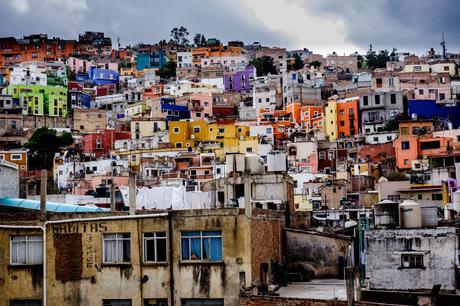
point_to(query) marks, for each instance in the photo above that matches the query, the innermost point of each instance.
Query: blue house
(103, 76)
(173, 112)
(429, 109)
(78, 99)
(81, 77)
(152, 59)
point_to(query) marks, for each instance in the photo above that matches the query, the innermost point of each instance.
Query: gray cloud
(414, 25)
(134, 20)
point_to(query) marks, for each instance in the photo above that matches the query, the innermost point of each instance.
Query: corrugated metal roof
(50, 206)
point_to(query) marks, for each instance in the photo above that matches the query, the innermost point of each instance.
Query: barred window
(411, 261)
(116, 302)
(116, 248)
(202, 246)
(155, 247)
(26, 250)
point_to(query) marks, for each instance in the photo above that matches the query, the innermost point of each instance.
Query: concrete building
(343, 62)
(89, 120)
(377, 108)
(184, 59)
(412, 259)
(9, 179)
(175, 258)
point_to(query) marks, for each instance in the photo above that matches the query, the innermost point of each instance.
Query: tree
(393, 56)
(264, 65)
(168, 71)
(315, 64)
(179, 35)
(199, 40)
(371, 57)
(43, 144)
(298, 63)
(361, 61)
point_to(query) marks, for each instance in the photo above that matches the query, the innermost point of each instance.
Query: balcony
(373, 120)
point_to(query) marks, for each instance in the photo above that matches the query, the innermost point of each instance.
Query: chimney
(43, 183)
(132, 193)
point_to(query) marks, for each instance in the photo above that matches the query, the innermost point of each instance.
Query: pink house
(200, 105)
(426, 85)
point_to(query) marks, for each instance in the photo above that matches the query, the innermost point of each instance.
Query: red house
(100, 144)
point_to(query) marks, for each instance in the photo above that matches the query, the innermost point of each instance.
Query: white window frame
(27, 240)
(116, 258)
(154, 238)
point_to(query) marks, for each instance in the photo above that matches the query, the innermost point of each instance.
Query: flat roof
(318, 289)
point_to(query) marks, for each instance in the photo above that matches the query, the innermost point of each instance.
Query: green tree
(169, 70)
(264, 65)
(361, 61)
(298, 63)
(371, 57)
(199, 40)
(315, 64)
(43, 144)
(179, 35)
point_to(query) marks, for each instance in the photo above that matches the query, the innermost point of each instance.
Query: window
(176, 130)
(116, 303)
(436, 197)
(365, 100)
(341, 112)
(196, 129)
(429, 145)
(442, 96)
(376, 139)
(417, 68)
(26, 250)
(16, 157)
(281, 129)
(389, 137)
(412, 261)
(155, 247)
(202, 302)
(202, 245)
(25, 302)
(420, 91)
(379, 82)
(155, 302)
(322, 155)
(393, 98)
(342, 123)
(406, 162)
(116, 248)
(377, 99)
(419, 196)
(405, 145)
(221, 130)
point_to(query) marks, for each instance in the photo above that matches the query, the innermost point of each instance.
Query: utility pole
(43, 183)
(443, 45)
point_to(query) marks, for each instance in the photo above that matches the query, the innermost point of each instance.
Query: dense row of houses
(216, 185)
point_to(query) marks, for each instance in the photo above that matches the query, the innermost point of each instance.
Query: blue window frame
(202, 246)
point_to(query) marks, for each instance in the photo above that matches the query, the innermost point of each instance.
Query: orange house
(407, 144)
(154, 91)
(18, 157)
(347, 117)
(294, 110)
(311, 117)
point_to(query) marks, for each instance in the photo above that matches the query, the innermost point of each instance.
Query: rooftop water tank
(276, 162)
(456, 201)
(429, 215)
(254, 164)
(386, 214)
(410, 214)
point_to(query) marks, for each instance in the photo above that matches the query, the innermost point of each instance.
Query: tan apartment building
(89, 120)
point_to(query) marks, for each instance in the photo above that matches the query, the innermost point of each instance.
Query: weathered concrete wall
(9, 181)
(316, 251)
(24, 280)
(76, 274)
(383, 258)
(281, 301)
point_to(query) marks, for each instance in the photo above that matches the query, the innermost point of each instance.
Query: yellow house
(139, 109)
(179, 134)
(227, 137)
(146, 127)
(330, 124)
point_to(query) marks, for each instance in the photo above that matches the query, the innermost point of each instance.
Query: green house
(40, 100)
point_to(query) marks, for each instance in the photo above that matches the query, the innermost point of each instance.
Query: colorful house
(40, 100)
(100, 144)
(429, 109)
(240, 80)
(341, 118)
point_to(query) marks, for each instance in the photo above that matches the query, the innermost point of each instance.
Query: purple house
(240, 81)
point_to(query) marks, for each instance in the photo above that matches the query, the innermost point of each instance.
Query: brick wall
(266, 242)
(280, 301)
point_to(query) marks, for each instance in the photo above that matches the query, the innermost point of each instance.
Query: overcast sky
(319, 25)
